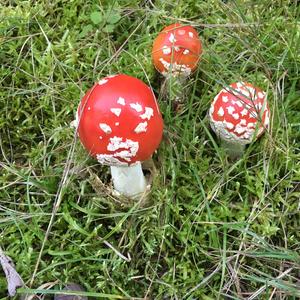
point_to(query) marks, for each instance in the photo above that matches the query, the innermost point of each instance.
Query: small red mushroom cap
(119, 121)
(240, 113)
(176, 50)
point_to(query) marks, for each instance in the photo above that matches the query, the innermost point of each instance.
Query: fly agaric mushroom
(176, 52)
(119, 123)
(238, 115)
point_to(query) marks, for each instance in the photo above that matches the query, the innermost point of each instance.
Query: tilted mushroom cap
(176, 50)
(119, 121)
(239, 113)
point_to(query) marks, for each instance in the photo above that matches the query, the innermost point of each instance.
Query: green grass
(213, 229)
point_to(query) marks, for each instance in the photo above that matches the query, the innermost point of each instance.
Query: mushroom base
(233, 149)
(175, 88)
(129, 181)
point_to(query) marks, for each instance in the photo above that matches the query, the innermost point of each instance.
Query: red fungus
(239, 114)
(176, 50)
(120, 124)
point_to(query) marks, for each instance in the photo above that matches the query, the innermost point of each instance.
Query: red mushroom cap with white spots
(119, 121)
(176, 50)
(239, 113)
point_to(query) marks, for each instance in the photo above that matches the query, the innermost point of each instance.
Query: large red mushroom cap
(239, 113)
(176, 50)
(119, 121)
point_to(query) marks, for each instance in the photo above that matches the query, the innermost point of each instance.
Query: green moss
(206, 217)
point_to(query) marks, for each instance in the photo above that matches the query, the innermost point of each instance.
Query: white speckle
(243, 122)
(105, 128)
(124, 154)
(166, 50)
(121, 101)
(136, 106)
(240, 84)
(89, 108)
(244, 112)
(251, 125)
(172, 38)
(244, 92)
(175, 68)
(267, 119)
(239, 129)
(114, 141)
(117, 143)
(230, 109)
(110, 160)
(225, 99)
(181, 31)
(176, 48)
(186, 51)
(229, 125)
(220, 112)
(116, 111)
(236, 116)
(147, 114)
(264, 105)
(248, 136)
(102, 81)
(117, 123)
(100, 137)
(191, 35)
(251, 90)
(258, 106)
(142, 127)
(238, 103)
(260, 95)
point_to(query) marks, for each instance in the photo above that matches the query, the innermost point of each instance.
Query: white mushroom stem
(234, 149)
(129, 181)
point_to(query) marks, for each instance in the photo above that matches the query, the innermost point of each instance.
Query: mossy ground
(213, 229)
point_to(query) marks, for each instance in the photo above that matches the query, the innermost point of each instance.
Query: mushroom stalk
(175, 88)
(129, 181)
(234, 150)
